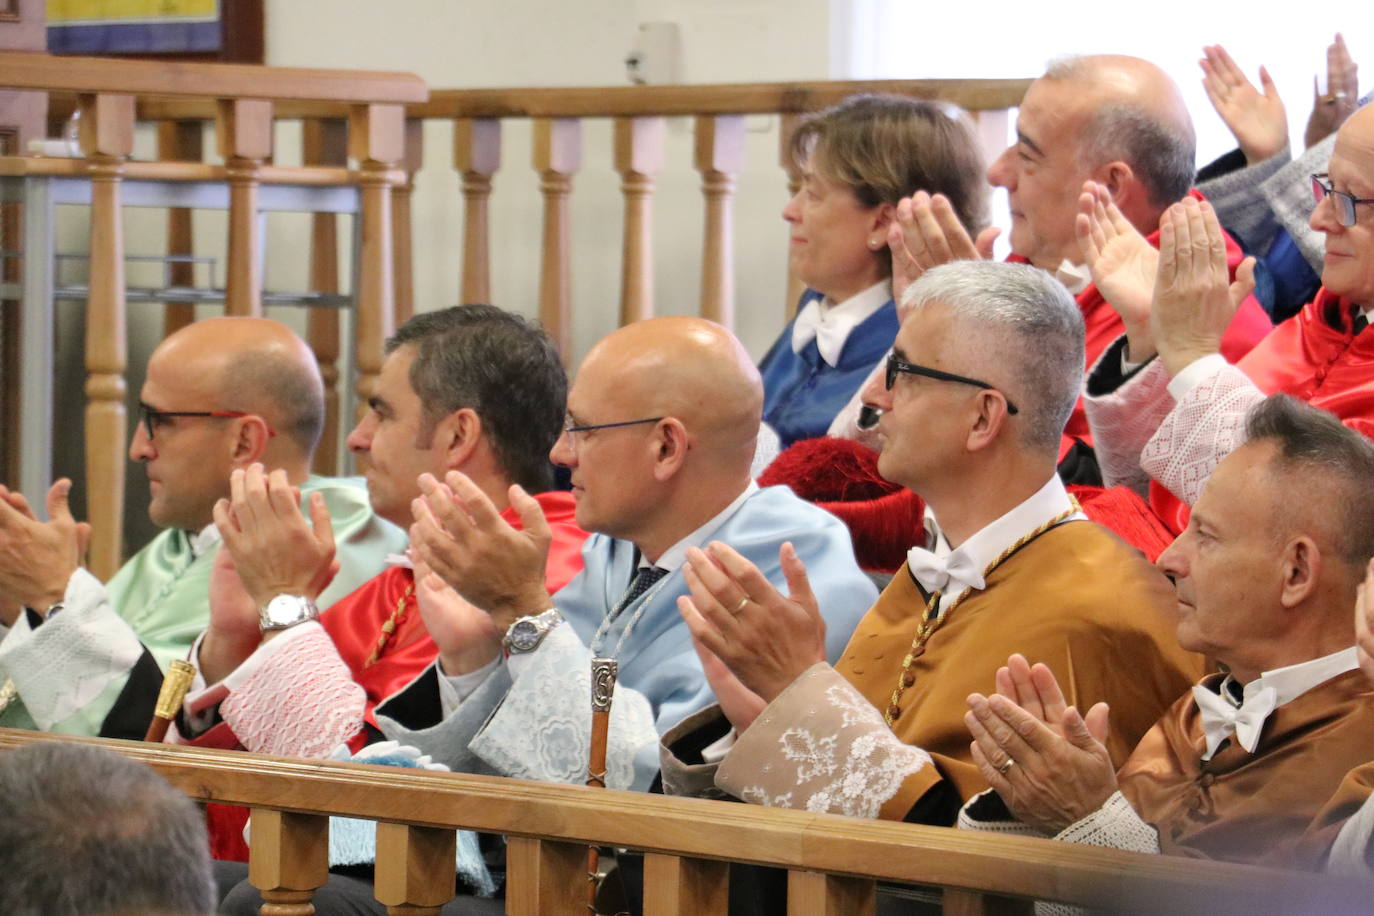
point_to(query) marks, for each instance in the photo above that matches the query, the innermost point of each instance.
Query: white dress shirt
(829, 323)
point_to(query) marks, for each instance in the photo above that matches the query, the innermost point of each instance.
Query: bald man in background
(661, 428)
(1119, 121)
(84, 657)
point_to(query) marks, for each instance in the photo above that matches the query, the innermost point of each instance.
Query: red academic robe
(1102, 325)
(355, 624)
(1315, 356)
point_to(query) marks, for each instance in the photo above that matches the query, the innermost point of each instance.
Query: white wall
(538, 43)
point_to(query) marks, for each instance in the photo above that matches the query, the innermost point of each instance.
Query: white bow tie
(1221, 720)
(943, 574)
(829, 331)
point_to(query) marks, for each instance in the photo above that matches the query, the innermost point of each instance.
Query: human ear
(670, 446)
(1301, 568)
(456, 436)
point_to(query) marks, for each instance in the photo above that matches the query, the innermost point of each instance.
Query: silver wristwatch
(286, 611)
(527, 633)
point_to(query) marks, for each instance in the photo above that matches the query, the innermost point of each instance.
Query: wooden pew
(242, 99)
(833, 862)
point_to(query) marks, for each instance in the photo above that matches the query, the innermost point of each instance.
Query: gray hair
(1024, 333)
(1163, 155)
(86, 831)
(1329, 456)
(282, 386)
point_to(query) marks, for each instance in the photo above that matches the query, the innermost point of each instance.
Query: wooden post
(180, 141)
(325, 142)
(786, 127)
(557, 156)
(719, 156)
(400, 214)
(545, 878)
(107, 139)
(376, 140)
(639, 144)
(960, 902)
(288, 859)
(811, 893)
(414, 873)
(674, 886)
(244, 128)
(476, 156)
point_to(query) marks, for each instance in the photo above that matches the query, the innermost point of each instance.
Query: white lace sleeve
(542, 729)
(820, 746)
(1123, 420)
(1205, 426)
(68, 662)
(1115, 825)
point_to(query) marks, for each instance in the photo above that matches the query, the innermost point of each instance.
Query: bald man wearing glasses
(82, 657)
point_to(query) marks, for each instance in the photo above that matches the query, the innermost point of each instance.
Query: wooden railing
(833, 863)
(241, 99)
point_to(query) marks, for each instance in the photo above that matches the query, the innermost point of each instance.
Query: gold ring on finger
(739, 607)
(1005, 766)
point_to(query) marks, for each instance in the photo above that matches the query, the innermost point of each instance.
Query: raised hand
(1036, 690)
(740, 704)
(275, 550)
(461, 536)
(1342, 93)
(467, 637)
(1123, 265)
(1048, 777)
(37, 558)
(1194, 299)
(766, 639)
(925, 233)
(1256, 119)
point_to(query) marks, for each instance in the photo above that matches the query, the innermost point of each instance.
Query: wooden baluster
(545, 878)
(674, 886)
(180, 141)
(639, 145)
(325, 142)
(786, 127)
(557, 156)
(719, 157)
(376, 139)
(400, 215)
(107, 139)
(288, 858)
(811, 893)
(476, 156)
(414, 868)
(244, 127)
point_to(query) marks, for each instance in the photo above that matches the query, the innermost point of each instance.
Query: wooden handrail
(830, 845)
(207, 81)
(622, 101)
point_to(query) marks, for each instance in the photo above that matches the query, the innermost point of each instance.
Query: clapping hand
(1342, 93)
(1123, 264)
(37, 558)
(925, 233)
(1364, 623)
(764, 638)
(1256, 119)
(1049, 764)
(1194, 296)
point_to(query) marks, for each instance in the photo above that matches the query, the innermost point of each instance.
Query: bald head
(1134, 113)
(254, 365)
(688, 368)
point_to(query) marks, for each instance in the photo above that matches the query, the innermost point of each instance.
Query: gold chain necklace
(390, 626)
(930, 623)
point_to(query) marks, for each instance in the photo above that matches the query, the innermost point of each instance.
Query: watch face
(285, 610)
(524, 635)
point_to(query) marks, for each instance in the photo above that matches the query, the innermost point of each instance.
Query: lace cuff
(298, 700)
(1115, 825)
(68, 662)
(542, 729)
(987, 813)
(820, 746)
(1122, 421)
(1202, 429)
(1350, 852)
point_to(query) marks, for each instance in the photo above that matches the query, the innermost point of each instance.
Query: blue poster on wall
(134, 26)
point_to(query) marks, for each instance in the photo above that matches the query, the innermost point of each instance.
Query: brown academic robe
(1076, 598)
(1260, 808)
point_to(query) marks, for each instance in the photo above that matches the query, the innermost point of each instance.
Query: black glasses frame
(896, 365)
(148, 415)
(1345, 203)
